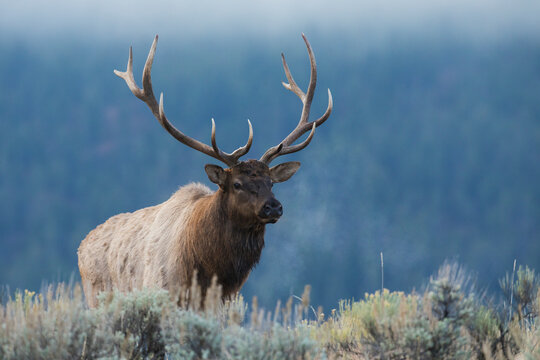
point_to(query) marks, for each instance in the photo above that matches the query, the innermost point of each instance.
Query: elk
(196, 231)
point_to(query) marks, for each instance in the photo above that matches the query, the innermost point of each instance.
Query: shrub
(145, 324)
(447, 321)
(521, 293)
(51, 326)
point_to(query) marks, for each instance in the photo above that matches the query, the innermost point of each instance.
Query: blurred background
(432, 151)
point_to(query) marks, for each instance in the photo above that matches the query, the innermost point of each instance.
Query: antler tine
(146, 94)
(286, 147)
(307, 97)
(128, 76)
(244, 149)
(292, 86)
(235, 155)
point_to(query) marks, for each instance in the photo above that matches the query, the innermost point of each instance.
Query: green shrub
(145, 324)
(130, 325)
(54, 326)
(192, 336)
(449, 320)
(522, 292)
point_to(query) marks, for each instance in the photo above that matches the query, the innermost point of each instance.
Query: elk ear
(283, 172)
(216, 174)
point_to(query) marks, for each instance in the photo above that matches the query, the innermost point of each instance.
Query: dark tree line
(432, 152)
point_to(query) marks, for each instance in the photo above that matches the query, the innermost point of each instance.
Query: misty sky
(37, 19)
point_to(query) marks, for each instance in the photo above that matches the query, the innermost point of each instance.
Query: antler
(146, 94)
(286, 147)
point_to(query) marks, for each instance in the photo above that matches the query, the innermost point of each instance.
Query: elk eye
(237, 186)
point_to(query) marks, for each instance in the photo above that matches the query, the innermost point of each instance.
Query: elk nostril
(280, 210)
(267, 210)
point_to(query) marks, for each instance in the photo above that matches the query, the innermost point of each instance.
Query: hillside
(432, 152)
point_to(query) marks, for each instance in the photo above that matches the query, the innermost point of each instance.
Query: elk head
(246, 185)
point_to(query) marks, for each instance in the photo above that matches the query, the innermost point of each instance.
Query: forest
(432, 153)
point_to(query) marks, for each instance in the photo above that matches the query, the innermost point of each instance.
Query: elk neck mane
(210, 240)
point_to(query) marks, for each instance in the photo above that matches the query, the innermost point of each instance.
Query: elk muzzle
(271, 211)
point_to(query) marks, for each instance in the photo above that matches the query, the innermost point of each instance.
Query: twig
(382, 273)
(312, 308)
(512, 292)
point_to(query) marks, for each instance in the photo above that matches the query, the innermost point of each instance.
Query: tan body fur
(161, 246)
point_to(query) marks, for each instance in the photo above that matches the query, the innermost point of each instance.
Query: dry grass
(149, 324)
(447, 321)
(450, 320)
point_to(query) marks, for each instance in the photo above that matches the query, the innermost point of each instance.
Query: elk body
(196, 231)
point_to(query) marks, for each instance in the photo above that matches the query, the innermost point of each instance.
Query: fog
(120, 20)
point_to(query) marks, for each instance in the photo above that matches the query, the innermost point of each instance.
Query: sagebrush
(449, 320)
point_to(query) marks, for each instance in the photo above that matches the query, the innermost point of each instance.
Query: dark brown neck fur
(222, 245)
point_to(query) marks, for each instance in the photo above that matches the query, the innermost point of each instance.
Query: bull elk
(217, 233)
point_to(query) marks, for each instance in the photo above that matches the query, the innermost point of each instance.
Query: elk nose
(272, 209)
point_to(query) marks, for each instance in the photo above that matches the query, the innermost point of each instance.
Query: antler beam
(286, 146)
(146, 94)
